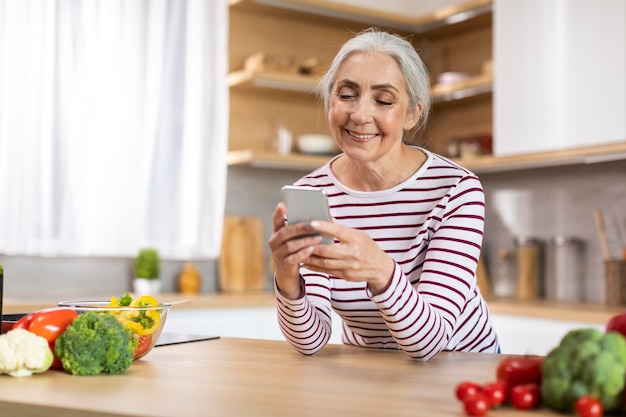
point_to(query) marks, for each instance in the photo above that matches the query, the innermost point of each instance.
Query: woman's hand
(356, 258)
(289, 251)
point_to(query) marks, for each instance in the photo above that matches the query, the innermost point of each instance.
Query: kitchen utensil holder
(615, 273)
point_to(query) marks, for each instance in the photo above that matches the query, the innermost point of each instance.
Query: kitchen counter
(248, 377)
(577, 312)
(181, 301)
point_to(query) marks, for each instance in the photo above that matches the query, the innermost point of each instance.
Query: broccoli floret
(125, 300)
(145, 321)
(586, 362)
(94, 343)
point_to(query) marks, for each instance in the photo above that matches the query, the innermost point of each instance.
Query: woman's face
(369, 106)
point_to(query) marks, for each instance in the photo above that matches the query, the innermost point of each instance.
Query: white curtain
(113, 126)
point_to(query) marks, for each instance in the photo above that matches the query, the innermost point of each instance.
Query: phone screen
(305, 204)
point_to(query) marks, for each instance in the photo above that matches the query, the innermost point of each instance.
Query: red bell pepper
(520, 370)
(48, 323)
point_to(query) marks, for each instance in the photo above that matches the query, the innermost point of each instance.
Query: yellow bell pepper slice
(142, 322)
(155, 317)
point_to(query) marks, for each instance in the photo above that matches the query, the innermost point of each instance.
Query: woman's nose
(361, 112)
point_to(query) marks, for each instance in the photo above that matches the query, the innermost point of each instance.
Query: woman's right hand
(289, 251)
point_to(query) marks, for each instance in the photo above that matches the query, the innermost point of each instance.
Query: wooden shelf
(273, 79)
(575, 156)
(402, 20)
(472, 87)
(256, 79)
(478, 164)
(261, 159)
(477, 85)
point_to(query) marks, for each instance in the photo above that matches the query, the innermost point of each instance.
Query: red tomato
(526, 396)
(48, 323)
(518, 370)
(478, 405)
(466, 390)
(617, 324)
(588, 406)
(143, 346)
(496, 393)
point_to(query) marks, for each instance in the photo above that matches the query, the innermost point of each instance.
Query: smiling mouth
(361, 136)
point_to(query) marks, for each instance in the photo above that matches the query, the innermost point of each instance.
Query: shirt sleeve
(306, 322)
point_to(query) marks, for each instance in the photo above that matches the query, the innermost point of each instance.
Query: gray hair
(415, 72)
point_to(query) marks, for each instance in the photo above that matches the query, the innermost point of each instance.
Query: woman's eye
(346, 96)
(384, 103)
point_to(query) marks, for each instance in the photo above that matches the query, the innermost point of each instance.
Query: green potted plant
(147, 272)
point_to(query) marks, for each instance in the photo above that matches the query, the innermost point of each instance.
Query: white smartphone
(305, 204)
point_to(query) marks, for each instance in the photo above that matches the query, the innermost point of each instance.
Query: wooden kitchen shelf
(478, 164)
(443, 18)
(474, 86)
(574, 156)
(261, 67)
(273, 79)
(264, 159)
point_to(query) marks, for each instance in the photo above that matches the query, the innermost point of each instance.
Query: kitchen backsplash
(540, 203)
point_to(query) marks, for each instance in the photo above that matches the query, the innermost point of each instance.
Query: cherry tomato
(526, 396)
(588, 406)
(48, 323)
(466, 390)
(518, 370)
(143, 346)
(478, 405)
(496, 393)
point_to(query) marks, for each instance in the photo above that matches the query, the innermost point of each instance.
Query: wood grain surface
(247, 377)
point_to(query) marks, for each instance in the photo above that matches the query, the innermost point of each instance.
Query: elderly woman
(407, 223)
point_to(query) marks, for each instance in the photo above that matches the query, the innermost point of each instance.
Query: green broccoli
(94, 343)
(125, 300)
(586, 362)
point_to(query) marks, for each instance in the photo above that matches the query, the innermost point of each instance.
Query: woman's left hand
(355, 258)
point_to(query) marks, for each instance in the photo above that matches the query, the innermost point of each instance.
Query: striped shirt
(431, 225)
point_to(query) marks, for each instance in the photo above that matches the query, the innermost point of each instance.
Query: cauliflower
(23, 353)
(586, 362)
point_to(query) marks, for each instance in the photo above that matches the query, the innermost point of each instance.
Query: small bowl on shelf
(146, 322)
(314, 144)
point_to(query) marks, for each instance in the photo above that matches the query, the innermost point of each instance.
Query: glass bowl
(133, 318)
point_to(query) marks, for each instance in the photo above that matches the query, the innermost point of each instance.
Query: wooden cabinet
(270, 47)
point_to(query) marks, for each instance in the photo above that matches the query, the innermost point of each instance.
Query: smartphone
(305, 204)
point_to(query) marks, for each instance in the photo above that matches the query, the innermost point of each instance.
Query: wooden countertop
(181, 301)
(246, 377)
(580, 312)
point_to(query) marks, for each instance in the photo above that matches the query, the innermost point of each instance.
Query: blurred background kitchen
(132, 124)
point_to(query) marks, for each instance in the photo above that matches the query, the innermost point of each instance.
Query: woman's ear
(413, 117)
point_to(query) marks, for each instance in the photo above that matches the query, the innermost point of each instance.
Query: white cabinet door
(560, 74)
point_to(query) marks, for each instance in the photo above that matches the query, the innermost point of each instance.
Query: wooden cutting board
(242, 260)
